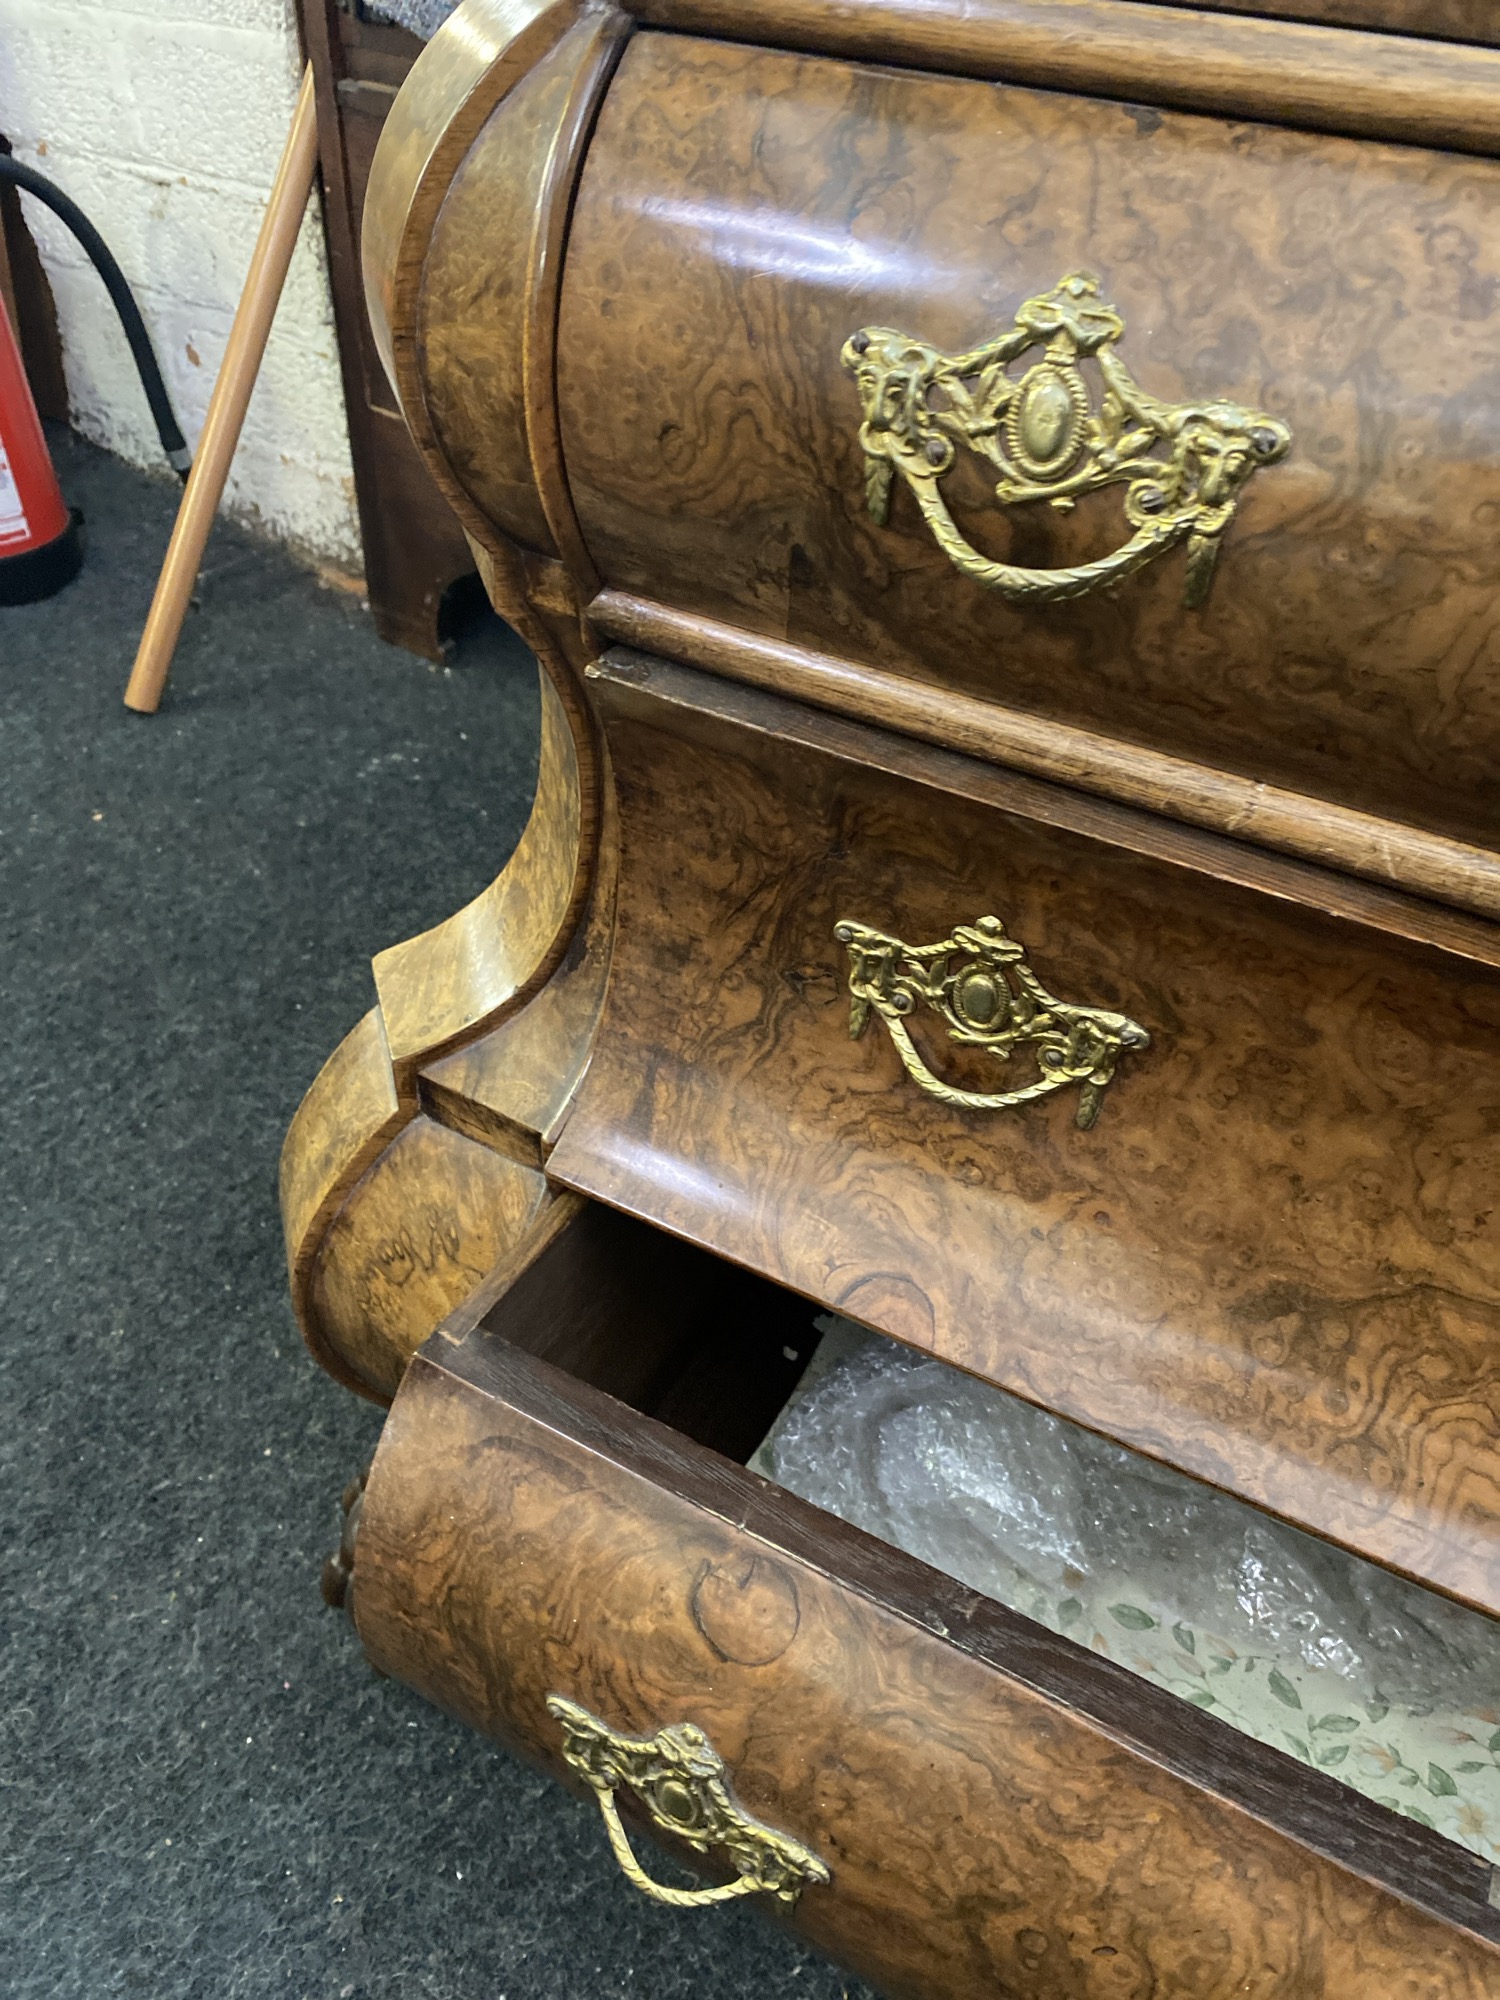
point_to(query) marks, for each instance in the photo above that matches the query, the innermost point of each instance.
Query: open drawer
(939, 1793)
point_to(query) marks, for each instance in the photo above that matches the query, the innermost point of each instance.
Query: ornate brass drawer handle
(680, 1779)
(1049, 443)
(978, 980)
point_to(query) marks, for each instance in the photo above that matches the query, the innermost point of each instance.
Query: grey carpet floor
(203, 1789)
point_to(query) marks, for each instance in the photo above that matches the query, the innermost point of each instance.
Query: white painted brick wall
(164, 120)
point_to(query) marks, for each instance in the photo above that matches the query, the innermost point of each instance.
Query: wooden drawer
(997, 1810)
(1272, 1260)
(721, 258)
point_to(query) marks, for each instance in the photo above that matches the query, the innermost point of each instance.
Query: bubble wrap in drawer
(1391, 1689)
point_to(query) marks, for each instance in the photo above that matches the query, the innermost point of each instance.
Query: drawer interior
(1299, 1645)
(671, 1330)
(1311, 1652)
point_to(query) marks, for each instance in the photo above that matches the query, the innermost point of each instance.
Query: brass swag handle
(680, 1779)
(1048, 442)
(978, 980)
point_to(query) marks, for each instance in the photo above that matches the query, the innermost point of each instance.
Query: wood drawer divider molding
(1404, 858)
(1367, 85)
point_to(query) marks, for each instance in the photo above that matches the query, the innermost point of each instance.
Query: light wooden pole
(227, 405)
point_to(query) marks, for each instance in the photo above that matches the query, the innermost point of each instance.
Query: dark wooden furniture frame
(414, 548)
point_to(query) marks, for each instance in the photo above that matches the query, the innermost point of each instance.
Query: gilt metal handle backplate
(680, 1780)
(978, 980)
(1183, 465)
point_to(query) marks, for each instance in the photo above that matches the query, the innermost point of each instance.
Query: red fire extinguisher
(39, 546)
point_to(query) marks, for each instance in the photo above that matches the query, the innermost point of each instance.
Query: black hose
(173, 443)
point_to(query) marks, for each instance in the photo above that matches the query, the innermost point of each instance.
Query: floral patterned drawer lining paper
(1380, 1683)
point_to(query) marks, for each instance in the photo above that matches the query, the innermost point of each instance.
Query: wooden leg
(227, 405)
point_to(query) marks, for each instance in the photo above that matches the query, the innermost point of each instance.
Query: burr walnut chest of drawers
(1006, 498)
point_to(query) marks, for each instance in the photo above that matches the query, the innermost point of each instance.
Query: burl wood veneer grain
(347, 1117)
(1291, 72)
(473, 309)
(471, 65)
(1455, 20)
(488, 306)
(442, 986)
(415, 1238)
(742, 212)
(1430, 868)
(514, 1084)
(1275, 1259)
(984, 1837)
